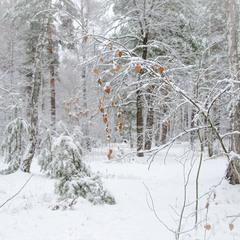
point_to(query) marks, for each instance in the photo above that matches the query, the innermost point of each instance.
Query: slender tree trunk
(140, 105)
(30, 151)
(139, 122)
(192, 133)
(150, 120)
(233, 20)
(52, 74)
(157, 133)
(164, 127)
(84, 23)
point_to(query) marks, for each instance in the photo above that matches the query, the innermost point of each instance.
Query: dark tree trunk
(140, 105)
(164, 127)
(52, 74)
(139, 123)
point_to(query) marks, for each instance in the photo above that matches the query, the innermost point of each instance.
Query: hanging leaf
(119, 99)
(138, 69)
(120, 126)
(207, 227)
(95, 70)
(120, 54)
(207, 205)
(112, 104)
(109, 154)
(105, 120)
(178, 121)
(99, 106)
(231, 226)
(99, 100)
(107, 88)
(123, 132)
(101, 110)
(101, 60)
(166, 124)
(119, 115)
(85, 38)
(118, 68)
(160, 69)
(214, 195)
(154, 67)
(108, 138)
(111, 46)
(107, 129)
(99, 81)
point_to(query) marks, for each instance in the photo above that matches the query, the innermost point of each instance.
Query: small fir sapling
(60, 158)
(15, 144)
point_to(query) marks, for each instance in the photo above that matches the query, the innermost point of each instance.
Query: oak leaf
(167, 124)
(231, 226)
(138, 69)
(118, 68)
(99, 81)
(160, 69)
(207, 227)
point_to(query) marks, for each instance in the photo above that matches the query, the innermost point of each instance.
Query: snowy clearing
(30, 214)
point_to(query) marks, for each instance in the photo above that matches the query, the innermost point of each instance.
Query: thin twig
(17, 192)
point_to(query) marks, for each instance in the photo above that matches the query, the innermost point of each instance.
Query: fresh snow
(30, 214)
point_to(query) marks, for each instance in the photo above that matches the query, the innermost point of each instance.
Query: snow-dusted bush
(15, 143)
(60, 158)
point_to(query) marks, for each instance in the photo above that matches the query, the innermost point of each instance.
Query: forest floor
(137, 190)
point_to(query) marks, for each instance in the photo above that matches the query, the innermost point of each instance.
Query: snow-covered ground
(137, 190)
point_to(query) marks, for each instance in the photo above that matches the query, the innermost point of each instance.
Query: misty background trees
(141, 71)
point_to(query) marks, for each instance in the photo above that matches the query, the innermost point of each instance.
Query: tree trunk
(139, 123)
(164, 127)
(233, 170)
(192, 133)
(140, 103)
(149, 121)
(30, 151)
(52, 74)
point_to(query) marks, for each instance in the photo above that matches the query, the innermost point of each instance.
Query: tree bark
(139, 122)
(30, 151)
(233, 170)
(84, 23)
(52, 74)
(150, 120)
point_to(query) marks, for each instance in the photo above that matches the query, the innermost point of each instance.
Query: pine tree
(15, 142)
(61, 159)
